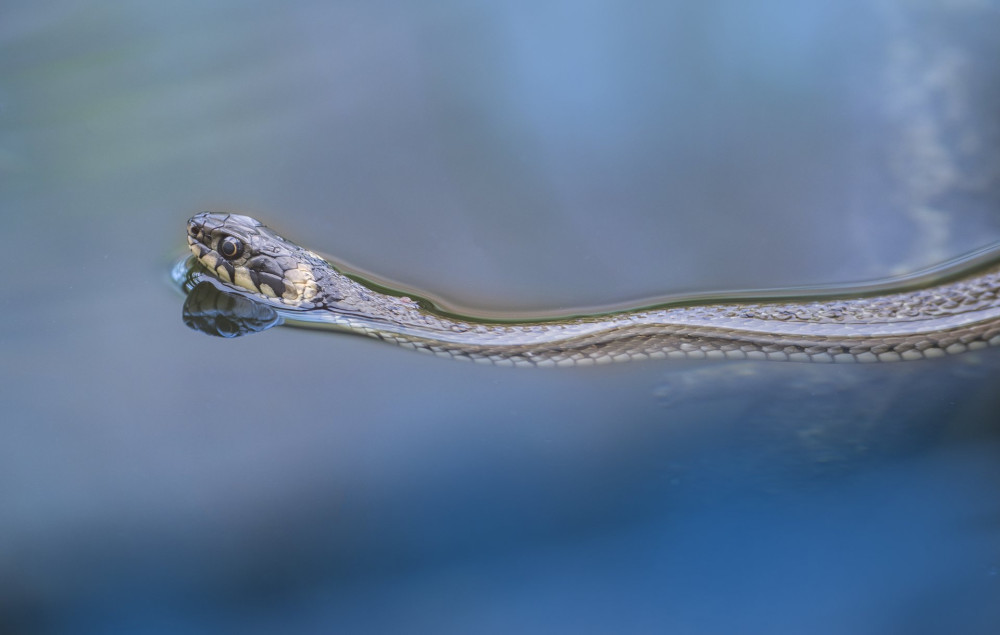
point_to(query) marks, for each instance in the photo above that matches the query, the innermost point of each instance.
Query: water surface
(525, 157)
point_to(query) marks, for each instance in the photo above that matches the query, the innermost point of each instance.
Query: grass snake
(955, 310)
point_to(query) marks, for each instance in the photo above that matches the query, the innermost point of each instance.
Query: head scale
(244, 253)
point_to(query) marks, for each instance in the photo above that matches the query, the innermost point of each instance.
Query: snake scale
(960, 314)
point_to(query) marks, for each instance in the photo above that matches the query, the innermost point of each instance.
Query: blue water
(509, 157)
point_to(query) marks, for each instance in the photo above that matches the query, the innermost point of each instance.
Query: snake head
(242, 252)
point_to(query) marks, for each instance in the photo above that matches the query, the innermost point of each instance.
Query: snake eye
(230, 248)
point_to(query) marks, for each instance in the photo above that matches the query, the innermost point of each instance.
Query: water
(525, 157)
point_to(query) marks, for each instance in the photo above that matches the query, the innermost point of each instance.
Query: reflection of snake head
(244, 253)
(215, 310)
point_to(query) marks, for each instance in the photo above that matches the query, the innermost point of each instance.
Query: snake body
(960, 314)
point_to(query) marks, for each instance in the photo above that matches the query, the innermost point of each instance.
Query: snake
(955, 310)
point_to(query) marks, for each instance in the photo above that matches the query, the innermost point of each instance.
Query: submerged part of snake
(916, 319)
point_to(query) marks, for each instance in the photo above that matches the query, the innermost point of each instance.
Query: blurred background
(511, 158)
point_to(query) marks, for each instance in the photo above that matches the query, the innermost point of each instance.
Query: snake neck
(362, 309)
(343, 296)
